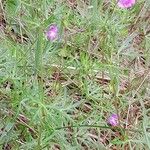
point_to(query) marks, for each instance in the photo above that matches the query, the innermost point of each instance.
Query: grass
(58, 95)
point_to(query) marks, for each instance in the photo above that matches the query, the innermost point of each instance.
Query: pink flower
(126, 3)
(113, 120)
(52, 32)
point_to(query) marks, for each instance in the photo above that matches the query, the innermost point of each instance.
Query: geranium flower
(113, 120)
(126, 3)
(52, 32)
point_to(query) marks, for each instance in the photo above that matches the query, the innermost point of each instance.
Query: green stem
(97, 126)
(38, 53)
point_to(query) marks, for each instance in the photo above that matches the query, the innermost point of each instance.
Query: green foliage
(58, 95)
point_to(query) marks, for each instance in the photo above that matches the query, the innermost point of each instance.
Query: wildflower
(52, 32)
(126, 3)
(113, 120)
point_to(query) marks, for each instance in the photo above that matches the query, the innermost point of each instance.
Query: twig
(134, 96)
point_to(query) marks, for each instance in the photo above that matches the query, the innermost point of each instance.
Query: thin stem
(97, 126)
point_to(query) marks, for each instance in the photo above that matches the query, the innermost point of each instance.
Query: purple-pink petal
(126, 3)
(52, 32)
(113, 120)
